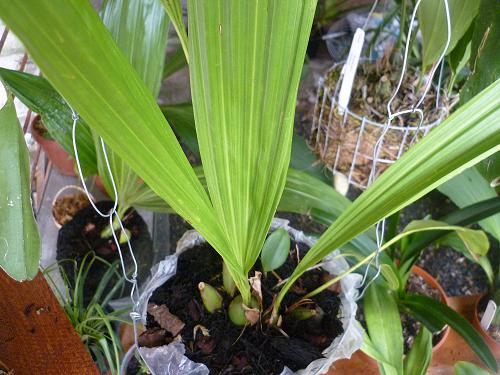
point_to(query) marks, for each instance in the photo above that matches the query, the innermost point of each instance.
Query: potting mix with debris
(250, 187)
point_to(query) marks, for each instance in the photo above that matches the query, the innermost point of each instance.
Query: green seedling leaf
(390, 276)
(418, 359)
(432, 20)
(384, 327)
(236, 310)
(212, 300)
(19, 237)
(276, 250)
(475, 242)
(435, 315)
(467, 368)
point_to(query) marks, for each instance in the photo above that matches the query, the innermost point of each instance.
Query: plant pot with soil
(345, 142)
(88, 232)
(314, 332)
(62, 161)
(411, 302)
(65, 205)
(492, 334)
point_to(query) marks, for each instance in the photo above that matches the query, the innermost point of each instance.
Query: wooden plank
(36, 337)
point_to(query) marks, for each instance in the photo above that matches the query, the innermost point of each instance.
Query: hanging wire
(380, 227)
(113, 214)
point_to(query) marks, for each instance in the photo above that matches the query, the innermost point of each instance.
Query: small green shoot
(275, 250)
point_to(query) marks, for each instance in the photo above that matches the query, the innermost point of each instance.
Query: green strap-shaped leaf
(78, 56)
(471, 134)
(140, 29)
(19, 238)
(435, 315)
(419, 357)
(432, 20)
(471, 187)
(384, 327)
(174, 11)
(39, 96)
(467, 368)
(245, 63)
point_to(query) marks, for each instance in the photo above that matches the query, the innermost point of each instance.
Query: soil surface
(228, 349)
(83, 234)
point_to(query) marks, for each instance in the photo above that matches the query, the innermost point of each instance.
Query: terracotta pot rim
(431, 280)
(477, 324)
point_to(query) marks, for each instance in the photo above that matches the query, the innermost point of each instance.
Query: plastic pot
(59, 158)
(169, 359)
(476, 322)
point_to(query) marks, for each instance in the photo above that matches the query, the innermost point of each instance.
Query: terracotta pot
(4, 367)
(61, 160)
(492, 344)
(360, 363)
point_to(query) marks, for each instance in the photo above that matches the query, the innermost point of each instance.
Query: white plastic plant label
(349, 70)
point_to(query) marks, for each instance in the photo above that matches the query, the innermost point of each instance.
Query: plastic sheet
(170, 359)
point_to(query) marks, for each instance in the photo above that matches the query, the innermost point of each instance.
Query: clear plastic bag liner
(170, 359)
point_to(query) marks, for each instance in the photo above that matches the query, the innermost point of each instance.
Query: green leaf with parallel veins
(470, 134)
(432, 20)
(19, 237)
(244, 101)
(419, 357)
(39, 96)
(467, 368)
(174, 11)
(435, 315)
(275, 250)
(384, 326)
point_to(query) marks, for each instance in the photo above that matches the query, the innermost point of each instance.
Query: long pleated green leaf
(19, 238)
(39, 96)
(471, 134)
(174, 11)
(245, 63)
(77, 54)
(139, 28)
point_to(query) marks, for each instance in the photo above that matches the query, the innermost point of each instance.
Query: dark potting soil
(81, 235)
(257, 349)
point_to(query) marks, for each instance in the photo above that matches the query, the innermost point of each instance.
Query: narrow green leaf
(181, 118)
(384, 326)
(140, 30)
(91, 73)
(19, 238)
(391, 276)
(304, 160)
(275, 250)
(39, 96)
(469, 135)
(474, 241)
(244, 100)
(467, 368)
(174, 63)
(369, 348)
(435, 315)
(471, 187)
(174, 11)
(485, 49)
(464, 216)
(432, 20)
(418, 359)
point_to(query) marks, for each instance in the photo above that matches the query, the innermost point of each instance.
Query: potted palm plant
(245, 60)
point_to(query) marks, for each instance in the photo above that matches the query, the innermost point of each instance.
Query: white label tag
(489, 314)
(349, 69)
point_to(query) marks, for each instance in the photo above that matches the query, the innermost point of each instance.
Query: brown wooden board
(36, 337)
